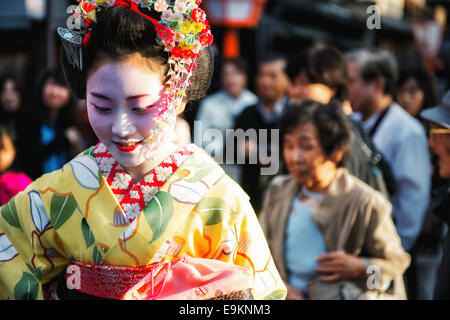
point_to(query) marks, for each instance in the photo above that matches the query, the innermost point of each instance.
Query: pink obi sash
(184, 279)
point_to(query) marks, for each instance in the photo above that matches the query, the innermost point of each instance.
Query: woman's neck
(322, 181)
(138, 173)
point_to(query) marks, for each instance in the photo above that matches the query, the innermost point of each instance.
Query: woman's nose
(123, 126)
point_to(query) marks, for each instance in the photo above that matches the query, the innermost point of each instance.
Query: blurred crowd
(364, 153)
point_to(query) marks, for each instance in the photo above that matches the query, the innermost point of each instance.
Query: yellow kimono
(71, 215)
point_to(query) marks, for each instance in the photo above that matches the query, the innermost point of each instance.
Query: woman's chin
(300, 178)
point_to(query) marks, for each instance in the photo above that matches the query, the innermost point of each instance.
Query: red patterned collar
(133, 197)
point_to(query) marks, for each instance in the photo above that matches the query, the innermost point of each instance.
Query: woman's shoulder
(59, 177)
(281, 181)
(367, 194)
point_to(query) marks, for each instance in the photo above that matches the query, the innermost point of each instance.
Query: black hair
(321, 64)
(121, 32)
(17, 84)
(238, 62)
(425, 81)
(332, 125)
(376, 64)
(5, 130)
(65, 117)
(272, 57)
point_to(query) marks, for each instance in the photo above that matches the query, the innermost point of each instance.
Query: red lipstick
(126, 149)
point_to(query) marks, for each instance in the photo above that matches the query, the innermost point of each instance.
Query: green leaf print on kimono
(61, 209)
(96, 256)
(89, 152)
(9, 213)
(36, 271)
(27, 288)
(87, 233)
(214, 210)
(158, 213)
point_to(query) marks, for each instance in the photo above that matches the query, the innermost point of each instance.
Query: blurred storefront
(29, 45)
(290, 25)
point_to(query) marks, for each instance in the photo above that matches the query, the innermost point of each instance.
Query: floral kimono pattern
(73, 214)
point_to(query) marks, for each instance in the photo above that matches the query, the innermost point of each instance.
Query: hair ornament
(183, 31)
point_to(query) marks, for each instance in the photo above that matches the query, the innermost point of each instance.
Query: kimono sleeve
(31, 253)
(252, 250)
(242, 242)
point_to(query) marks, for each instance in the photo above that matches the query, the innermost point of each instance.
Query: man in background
(399, 137)
(271, 88)
(219, 110)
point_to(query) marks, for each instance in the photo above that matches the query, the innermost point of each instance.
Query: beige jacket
(352, 217)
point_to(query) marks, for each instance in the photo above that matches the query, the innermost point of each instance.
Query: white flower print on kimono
(163, 173)
(149, 192)
(121, 181)
(131, 210)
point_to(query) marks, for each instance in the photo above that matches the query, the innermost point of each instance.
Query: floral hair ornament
(183, 31)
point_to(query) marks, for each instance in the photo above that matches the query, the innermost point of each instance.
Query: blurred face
(440, 142)
(302, 89)
(360, 94)
(123, 101)
(271, 81)
(304, 156)
(233, 80)
(7, 152)
(410, 97)
(10, 97)
(54, 95)
(299, 88)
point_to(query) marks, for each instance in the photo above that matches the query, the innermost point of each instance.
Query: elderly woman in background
(325, 227)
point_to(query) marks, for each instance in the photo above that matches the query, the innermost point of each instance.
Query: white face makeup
(123, 101)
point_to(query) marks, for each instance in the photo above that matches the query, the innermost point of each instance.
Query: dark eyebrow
(100, 96)
(302, 137)
(137, 96)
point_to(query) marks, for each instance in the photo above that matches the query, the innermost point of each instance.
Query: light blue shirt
(56, 160)
(219, 110)
(402, 141)
(304, 243)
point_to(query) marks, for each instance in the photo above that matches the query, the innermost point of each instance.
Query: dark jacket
(31, 152)
(442, 289)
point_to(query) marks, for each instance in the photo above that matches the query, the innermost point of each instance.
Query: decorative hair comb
(72, 41)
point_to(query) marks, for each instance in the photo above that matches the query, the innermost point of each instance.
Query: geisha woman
(135, 216)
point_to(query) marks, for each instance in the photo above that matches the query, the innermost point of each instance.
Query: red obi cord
(110, 282)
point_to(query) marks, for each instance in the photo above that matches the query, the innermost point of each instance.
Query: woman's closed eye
(101, 109)
(142, 109)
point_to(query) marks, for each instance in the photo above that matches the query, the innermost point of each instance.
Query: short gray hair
(374, 64)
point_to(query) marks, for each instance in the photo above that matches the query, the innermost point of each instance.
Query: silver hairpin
(72, 43)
